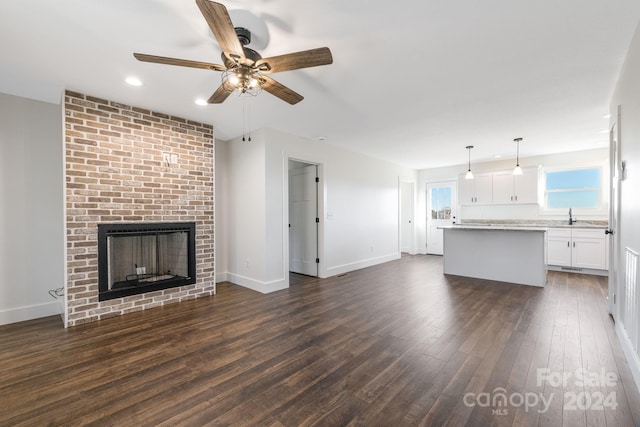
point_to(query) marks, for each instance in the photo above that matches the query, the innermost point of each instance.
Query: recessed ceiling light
(606, 116)
(322, 138)
(604, 131)
(133, 81)
(497, 156)
(201, 101)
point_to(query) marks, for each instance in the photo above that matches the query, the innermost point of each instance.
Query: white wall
(359, 208)
(627, 95)
(31, 208)
(506, 212)
(244, 195)
(221, 210)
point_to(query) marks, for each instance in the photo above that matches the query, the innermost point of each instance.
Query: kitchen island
(504, 253)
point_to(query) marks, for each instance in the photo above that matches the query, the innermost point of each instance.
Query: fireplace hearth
(136, 258)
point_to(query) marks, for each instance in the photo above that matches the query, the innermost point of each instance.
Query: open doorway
(303, 218)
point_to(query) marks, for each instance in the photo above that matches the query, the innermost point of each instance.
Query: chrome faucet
(572, 220)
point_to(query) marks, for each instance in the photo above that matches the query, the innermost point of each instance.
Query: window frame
(601, 209)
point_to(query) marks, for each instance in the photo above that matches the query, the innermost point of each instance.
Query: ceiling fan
(244, 69)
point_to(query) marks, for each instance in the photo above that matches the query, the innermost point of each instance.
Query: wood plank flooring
(391, 345)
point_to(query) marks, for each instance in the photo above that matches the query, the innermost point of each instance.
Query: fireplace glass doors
(139, 258)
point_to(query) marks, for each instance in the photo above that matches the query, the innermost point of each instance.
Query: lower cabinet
(578, 248)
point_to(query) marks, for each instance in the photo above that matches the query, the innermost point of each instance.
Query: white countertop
(526, 225)
(492, 227)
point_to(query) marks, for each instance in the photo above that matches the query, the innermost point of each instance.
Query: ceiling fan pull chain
(243, 114)
(246, 118)
(249, 120)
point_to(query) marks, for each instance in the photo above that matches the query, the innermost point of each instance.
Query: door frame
(615, 171)
(321, 198)
(312, 170)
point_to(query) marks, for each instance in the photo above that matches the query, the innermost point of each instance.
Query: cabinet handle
(568, 244)
(516, 197)
(574, 244)
(512, 198)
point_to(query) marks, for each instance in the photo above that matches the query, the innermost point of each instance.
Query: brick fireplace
(130, 165)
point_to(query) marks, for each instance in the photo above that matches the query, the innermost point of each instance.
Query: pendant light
(469, 174)
(517, 170)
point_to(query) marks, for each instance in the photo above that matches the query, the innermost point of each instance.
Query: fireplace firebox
(135, 258)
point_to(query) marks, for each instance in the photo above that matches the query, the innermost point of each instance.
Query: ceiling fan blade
(220, 23)
(280, 90)
(294, 61)
(181, 62)
(219, 95)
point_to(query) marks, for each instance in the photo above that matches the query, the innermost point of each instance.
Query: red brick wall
(114, 172)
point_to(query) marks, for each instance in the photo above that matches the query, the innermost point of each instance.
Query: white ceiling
(413, 81)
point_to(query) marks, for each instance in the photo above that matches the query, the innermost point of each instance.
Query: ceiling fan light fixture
(233, 79)
(244, 81)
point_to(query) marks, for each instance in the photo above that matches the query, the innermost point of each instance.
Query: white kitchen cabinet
(589, 249)
(559, 246)
(509, 188)
(577, 248)
(476, 191)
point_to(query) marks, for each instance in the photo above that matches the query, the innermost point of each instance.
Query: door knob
(608, 231)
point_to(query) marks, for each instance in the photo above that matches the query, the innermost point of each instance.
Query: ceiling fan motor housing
(244, 35)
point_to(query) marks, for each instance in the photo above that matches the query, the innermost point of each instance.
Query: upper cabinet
(509, 188)
(499, 188)
(476, 191)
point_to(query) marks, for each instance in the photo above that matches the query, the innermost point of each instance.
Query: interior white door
(441, 205)
(614, 212)
(303, 225)
(406, 217)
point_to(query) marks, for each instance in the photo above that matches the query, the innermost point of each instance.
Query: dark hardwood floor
(391, 345)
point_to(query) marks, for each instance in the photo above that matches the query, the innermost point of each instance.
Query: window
(441, 203)
(574, 188)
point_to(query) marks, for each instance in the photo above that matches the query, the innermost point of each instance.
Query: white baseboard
(414, 251)
(256, 285)
(632, 357)
(345, 268)
(276, 285)
(578, 270)
(20, 314)
(222, 277)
